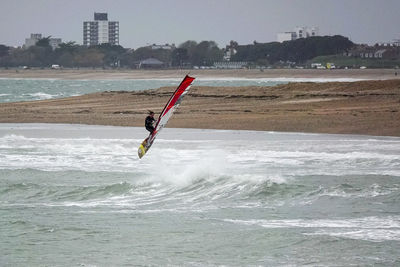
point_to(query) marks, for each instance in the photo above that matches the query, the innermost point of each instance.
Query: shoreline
(97, 74)
(363, 107)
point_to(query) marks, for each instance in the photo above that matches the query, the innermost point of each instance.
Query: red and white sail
(172, 105)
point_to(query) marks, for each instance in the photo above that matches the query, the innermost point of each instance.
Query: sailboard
(172, 104)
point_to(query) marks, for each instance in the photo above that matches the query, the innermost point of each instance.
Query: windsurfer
(165, 114)
(149, 122)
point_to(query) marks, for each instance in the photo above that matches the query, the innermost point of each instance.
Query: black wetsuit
(149, 124)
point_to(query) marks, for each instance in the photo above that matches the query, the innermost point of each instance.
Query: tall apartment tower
(100, 31)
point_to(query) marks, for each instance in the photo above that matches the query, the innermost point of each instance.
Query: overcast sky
(175, 21)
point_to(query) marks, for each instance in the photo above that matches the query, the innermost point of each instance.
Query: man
(149, 122)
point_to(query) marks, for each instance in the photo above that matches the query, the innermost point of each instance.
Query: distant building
(230, 50)
(150, 63)
(165, 47)
(297, 33)
(55, 42)
(305, 32)
(35, 37)
(32, 40)
(395, 43)
(230, 64)
(379, 51)
(100, 31)
(286, 36)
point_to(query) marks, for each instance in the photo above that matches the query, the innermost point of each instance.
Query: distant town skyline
(176, 21)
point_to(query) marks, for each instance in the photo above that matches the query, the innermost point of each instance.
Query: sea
(78, 195)
(22, 89)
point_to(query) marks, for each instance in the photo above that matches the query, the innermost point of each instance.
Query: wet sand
(363, 107)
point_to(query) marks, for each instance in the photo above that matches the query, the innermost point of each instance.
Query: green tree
(90, 57)
(4, 50)
(44, 42)
(65, 53)
(179, 57)
(299, 50)
(112, 54)
(20, 57)
(70, 47)
(142, 53)
(190, 47)
(206, 53)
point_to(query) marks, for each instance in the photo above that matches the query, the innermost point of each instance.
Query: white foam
(42, 96)
(181, 157)
(374, 235)
(362, 223)
(372, 191)
(184, 166)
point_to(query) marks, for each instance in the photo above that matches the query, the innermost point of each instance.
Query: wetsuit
(149, 124)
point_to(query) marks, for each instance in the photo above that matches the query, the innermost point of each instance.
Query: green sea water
(76, 195)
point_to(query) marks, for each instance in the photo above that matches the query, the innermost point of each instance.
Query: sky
(176, 21)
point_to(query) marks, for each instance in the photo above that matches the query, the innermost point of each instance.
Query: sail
(172, 104)
(166, 113)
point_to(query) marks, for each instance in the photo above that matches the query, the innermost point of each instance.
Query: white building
(100, 31)
(35, 37)
(297, 33)
(165, 47)
(55, 42)
(230, 64)
(230, 50)
(305, 32)
(286, 36)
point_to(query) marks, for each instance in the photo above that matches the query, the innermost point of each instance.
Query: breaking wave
(309, 193)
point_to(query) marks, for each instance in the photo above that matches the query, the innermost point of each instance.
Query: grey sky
(175, 21)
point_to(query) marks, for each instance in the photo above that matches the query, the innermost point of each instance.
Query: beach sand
(374, 74)
(362, 107)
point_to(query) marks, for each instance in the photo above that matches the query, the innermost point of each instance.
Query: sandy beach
(362, 107)
(373, 74)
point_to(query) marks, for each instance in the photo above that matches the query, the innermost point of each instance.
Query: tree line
(71, 55)
(187, 54)
(296, 51)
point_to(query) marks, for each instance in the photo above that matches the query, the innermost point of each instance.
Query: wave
(194, 186)
(41, 96)
(279, 170)
(372, 222)
(201, 188)
(119, 155)
(374, 235)
(349, 191)
(372, 228)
